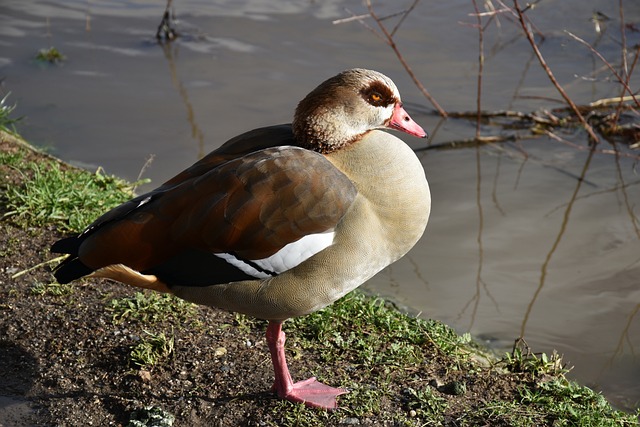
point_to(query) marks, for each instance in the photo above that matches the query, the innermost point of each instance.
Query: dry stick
(625, 69)
(404, 16)
(629, 74)
(492, 13)
(546, 68)
(623, 38)
(616, 153)
(613, 71)
(515, 15)
(480, 67)
(389, 40)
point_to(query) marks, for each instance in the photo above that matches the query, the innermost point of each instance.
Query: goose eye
(376, 97)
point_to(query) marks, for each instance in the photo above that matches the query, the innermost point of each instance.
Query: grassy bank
(101, 353)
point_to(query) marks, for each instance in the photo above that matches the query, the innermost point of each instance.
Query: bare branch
(404, 16)
(622, 80)
(391, 42)
(480, 67)
(546, 68)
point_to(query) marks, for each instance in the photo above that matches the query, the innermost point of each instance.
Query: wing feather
(251, 206)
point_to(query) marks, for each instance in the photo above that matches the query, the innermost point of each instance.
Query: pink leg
(310, 392)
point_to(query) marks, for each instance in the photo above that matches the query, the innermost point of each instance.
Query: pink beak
(400, 120)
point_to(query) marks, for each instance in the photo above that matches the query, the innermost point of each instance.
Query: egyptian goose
(278, 222)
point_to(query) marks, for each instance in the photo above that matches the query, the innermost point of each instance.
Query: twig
(546, 68)
(583, 148)
(388, 38)
(623, 37)
(613, 71)
(627, 72)
(51, 261)
(146, 165)
(620, 100)
(480, 67)
(515, 15)
(165, 31)
(404, 16)
(349, 19)
(467, 143)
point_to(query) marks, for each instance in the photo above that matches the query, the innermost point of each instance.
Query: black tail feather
(68, 245)
(71, 269)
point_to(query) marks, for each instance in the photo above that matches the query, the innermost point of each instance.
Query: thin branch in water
(480, 67)
(622, 80)
(515, 15)
(623, 38)
(352, 18)
(629, 74)
(404, 16)
(361, 21)
(166, 32)
(551, 76)
(582, 148)
(388, 38)
(608, 101)
(355, 17)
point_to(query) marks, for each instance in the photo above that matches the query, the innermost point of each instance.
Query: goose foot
(310, 391)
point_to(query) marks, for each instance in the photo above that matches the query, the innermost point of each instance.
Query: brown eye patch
(378, 94)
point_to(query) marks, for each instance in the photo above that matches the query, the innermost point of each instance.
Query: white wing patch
(244, 266)
(285, 259)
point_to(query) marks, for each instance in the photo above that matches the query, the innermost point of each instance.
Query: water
(545, 244)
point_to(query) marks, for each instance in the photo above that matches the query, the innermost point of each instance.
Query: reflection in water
(494, 190)
(196, 132)
(625, 196)
(480, 284)
(624, 336)
(563, 229)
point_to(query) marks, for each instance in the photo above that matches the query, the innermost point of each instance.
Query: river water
(535, 237)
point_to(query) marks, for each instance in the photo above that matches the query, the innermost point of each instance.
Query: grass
(151, 307)
(371, 332)
(55, 289)
(557, 402)
(7, 123)
(152, 350)
(67, 199)
(426, 403)
(50, 55)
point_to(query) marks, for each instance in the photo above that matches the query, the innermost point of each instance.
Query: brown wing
(248, 142)
(251, 206)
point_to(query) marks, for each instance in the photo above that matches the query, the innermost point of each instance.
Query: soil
(64, 361)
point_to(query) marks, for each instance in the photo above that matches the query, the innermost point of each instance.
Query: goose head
(344, 108)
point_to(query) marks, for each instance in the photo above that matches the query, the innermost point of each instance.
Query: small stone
(220, 351)
(144, 375)
(413, 413)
